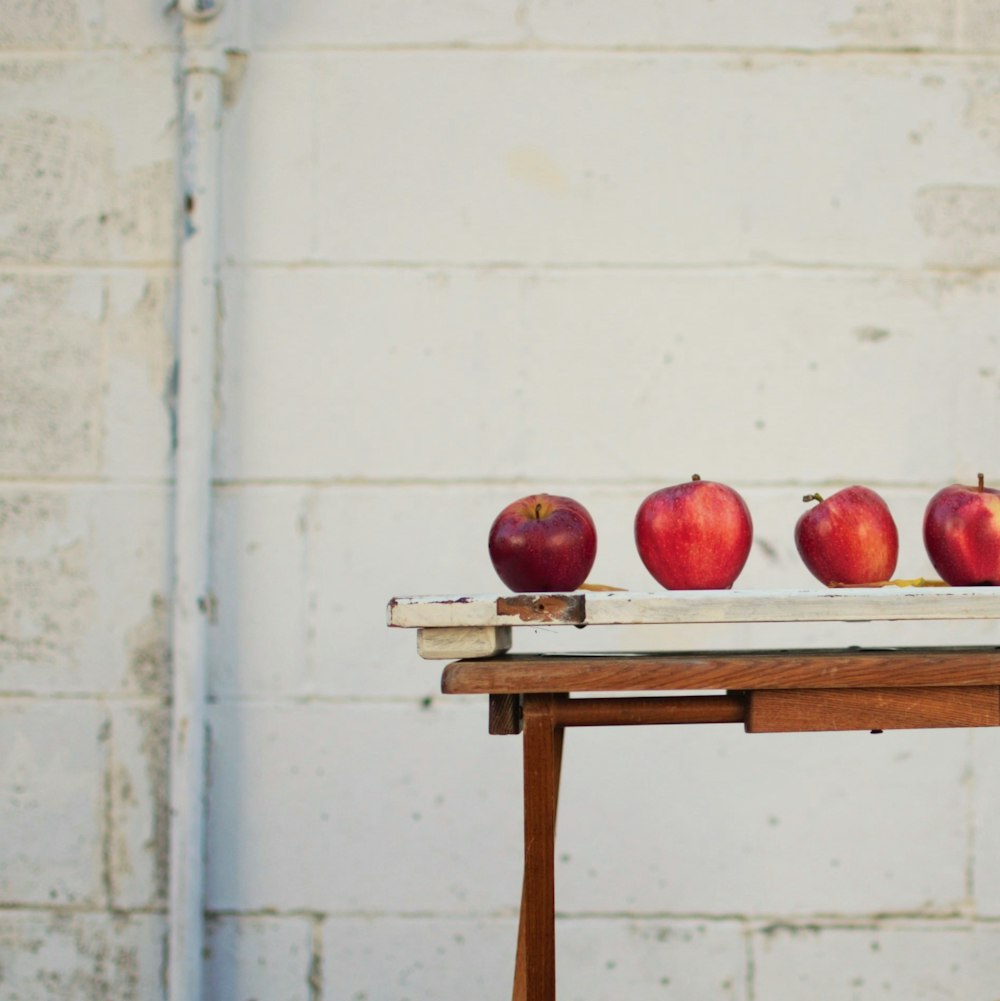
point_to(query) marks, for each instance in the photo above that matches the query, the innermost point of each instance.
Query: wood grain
(544, 608)
(535, 969)
(727, 670)
(796, 711)
(656, 709)
(505, 714)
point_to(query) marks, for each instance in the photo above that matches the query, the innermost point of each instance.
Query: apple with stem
(695, 535)
(543, 542)
(848, 539)
(962, 534)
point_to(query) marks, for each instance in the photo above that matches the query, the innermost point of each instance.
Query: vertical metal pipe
(202, 69)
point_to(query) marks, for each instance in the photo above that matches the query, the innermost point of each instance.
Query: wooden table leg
(535, 969)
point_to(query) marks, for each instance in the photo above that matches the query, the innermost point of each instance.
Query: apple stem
(538, 512)
(812, 497)
(982, 482)
(696, 477)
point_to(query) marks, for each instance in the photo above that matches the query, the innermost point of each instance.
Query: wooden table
(768, 691)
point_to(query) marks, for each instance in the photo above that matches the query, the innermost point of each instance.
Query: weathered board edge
(683, 607)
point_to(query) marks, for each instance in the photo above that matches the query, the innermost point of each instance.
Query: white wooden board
(674, 607)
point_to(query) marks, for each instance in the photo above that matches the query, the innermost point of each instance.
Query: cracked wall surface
(473, 250)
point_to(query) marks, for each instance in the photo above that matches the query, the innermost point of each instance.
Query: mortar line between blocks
(534, 47)
(754, 924)
(722, 267)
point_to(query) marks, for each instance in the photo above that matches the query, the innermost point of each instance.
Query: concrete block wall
(471, 251)
(88, 106)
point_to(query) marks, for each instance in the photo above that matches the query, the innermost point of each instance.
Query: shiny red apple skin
(848, 538)
(962, 534)
(694, 536)
(543, 542)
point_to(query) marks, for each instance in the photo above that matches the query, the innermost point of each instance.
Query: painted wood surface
(462, 641)
(676, 607)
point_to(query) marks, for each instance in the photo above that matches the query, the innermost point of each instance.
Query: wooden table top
(726, 670)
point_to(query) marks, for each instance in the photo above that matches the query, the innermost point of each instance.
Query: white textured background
(475, 249)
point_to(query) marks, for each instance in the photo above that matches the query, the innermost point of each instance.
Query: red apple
(694, 536)
(962, 534)
(543, 543)
(849, 538)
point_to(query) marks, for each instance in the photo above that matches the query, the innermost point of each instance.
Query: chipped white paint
(461, 625)
(634, 608)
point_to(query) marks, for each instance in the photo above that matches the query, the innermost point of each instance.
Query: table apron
(773, 710)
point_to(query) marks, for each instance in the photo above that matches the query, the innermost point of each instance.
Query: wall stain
(963, 221)
(155, 747)
(872, 335)
(52, 372)
(86, 957)
(982, 108)
(769, 550)
(138, 325)
(107, 815)
(65, 200)
(50, 25)
(535, 168)
(148, 649)
(47, 602)
(237, 63)
(314, 976)
(898, 24)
